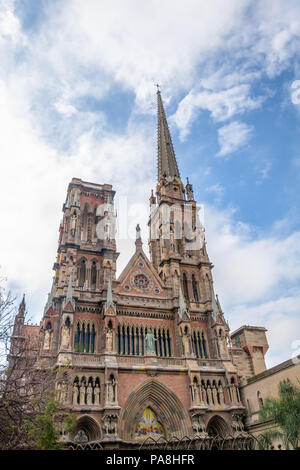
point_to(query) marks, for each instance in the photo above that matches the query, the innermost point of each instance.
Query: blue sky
(77, 98)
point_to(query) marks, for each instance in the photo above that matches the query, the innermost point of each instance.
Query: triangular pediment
(69, 307)
(50, 312)
(140, 278)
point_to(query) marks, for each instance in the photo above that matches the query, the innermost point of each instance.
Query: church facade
(147, 354)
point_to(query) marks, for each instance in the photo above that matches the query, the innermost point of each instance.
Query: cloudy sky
(77, 99)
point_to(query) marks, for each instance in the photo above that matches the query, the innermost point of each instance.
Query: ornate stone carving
(237, 423)
(110, 424)
(198, 425)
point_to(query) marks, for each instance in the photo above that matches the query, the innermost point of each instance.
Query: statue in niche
(97, 394)
(109, 339)
(186, 341)
(111, 390)
(150, 348)
(73, 224)
(89, 394)
(195, 392)
(75, 394)
(64, 393)
(47, 340)
(82, 394)
(65, 337)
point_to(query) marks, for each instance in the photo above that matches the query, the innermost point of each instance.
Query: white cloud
(9, 23)
(257, 278)
(80, 50)
(233, 136)
(222, 105)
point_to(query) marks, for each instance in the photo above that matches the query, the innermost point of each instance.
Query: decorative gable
(140, 278)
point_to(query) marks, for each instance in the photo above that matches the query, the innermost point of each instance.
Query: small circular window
(156, 291)
(127, 287)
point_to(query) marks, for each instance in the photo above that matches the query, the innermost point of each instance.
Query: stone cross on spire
(166, 160)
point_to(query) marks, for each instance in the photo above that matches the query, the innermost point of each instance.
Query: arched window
(260, 400)
(195, 289)
(77, 338)
(185, 286)
(94, 275)
(82, 273)
(93, 339)
(204, 347)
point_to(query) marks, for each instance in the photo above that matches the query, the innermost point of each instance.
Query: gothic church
(148, 354)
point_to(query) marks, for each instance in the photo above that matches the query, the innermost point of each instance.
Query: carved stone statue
(110, 423)
(138, 231)
(65, 337)
(150, 348)
(47, 340)
(196, 396)
(64, 393)
(199, 425)
(75, 394)
(109, 340)
(111, 390)
(73, 224)
(237, 423)
(189, 191)
(82, 394)
(89, 394)
(97, 394)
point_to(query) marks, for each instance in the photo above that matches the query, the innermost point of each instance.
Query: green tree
(285, 412)
(43, 429)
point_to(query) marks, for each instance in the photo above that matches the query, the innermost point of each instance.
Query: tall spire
(166, 160)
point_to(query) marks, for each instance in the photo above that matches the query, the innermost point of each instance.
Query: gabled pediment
(140, 278)
(69, 307)
(50, 312)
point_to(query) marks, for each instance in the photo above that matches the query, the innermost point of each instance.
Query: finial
(157, 86)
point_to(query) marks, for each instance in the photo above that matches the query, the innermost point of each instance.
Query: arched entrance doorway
(217, 427)
(155, 410)
(86, 430)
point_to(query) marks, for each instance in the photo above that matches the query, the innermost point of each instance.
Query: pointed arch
(165, 404)
(217, 427)
(185, 286)
(89, 426)
(195, 288)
